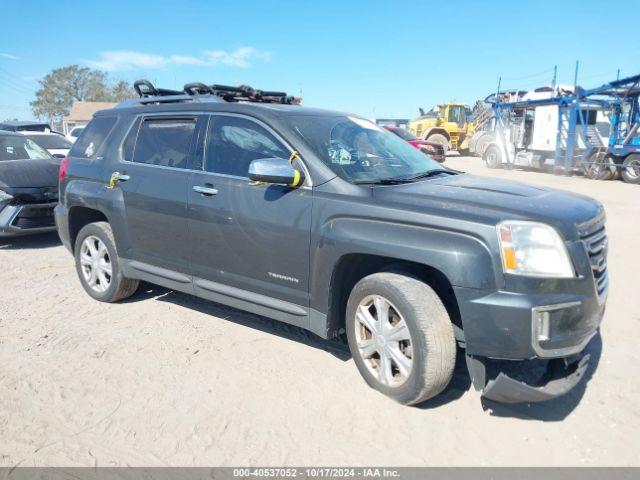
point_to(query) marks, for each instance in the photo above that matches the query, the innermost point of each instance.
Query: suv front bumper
(560, 376)
(26, 219)
(511, 332)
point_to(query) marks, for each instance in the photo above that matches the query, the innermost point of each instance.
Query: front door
(250, 243)
(156, 160)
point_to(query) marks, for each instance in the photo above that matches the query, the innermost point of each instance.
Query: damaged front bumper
(25, 219)
(555, 378)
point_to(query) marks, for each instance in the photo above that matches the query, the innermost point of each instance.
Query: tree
(121, 91)
(63, 86)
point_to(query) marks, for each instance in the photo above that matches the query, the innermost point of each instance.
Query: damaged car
(326, 221)
(28, 186)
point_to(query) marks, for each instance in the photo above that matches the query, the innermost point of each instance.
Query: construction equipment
(450, 125)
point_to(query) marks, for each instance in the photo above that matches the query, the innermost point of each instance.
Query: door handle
(205, 190)
(117, 177)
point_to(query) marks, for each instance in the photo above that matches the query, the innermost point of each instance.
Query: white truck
(527, 135)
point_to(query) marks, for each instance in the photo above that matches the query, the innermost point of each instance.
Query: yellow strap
(296, 178)
(293, 156)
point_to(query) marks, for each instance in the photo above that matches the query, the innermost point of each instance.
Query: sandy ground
(167, 379)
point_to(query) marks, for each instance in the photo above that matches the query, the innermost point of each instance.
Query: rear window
(50, 141)
(92, 137)
(15, 147)
(164, 142)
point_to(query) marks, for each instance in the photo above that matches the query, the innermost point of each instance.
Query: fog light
(543, 326)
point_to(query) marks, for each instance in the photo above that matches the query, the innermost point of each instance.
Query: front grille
(594, 236)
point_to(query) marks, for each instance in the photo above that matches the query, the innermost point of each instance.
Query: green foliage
(62, 86)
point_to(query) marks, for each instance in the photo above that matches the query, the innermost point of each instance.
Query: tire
(482, 142)
(430, 348)
(631, 169)
(93, 264)
(440, 140)
(492, 157)
(599, 166)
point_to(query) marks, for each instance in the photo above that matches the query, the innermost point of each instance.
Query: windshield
(360, 151)
(50, 141)
(20, 148)
(404, 134)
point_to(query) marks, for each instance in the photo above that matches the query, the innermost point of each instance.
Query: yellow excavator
(450, 125)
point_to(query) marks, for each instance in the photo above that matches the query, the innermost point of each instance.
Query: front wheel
(631, 169)
(400, 336)
(98, 264)
(492, 157)
(440, 140)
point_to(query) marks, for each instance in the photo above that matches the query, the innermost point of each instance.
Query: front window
(234, 142)
(20, 148)
(359, 151)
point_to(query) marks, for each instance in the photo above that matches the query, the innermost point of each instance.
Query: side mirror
(275, 170)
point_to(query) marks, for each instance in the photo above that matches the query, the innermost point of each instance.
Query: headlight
(533, 249)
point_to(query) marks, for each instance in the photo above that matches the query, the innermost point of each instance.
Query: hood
(21, 174)
(489, 200)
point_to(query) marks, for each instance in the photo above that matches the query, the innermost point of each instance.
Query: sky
(379, 59)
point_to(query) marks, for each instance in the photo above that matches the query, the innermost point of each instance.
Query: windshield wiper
(399, 180)
(382, 181)
(430, 173)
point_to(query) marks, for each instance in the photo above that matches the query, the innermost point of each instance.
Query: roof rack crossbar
(244, 93)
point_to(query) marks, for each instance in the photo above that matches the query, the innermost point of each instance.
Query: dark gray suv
(325, 221)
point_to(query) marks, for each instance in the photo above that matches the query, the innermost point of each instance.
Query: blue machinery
(619, 99)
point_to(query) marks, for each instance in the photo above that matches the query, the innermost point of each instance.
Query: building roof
(83, 111)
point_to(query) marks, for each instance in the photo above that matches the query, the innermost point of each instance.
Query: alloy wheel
(96, 264)
(384, 341)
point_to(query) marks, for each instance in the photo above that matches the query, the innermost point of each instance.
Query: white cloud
(124, 60)
(238, 58)
(9, 56)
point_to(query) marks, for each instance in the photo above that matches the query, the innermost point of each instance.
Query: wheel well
(354, 267)
(81, 216)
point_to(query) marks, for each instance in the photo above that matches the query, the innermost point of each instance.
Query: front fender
(464, 259)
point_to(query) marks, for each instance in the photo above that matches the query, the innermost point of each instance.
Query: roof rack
(244, 93)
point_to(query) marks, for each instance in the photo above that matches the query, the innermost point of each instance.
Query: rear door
(156, 160)
(253, 238)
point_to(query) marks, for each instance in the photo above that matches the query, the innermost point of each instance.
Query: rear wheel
(631, 169)
(400, 336)
(492, 156)
(98, 264)
(440, 140)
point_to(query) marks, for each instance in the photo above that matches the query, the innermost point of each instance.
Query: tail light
(64, 166)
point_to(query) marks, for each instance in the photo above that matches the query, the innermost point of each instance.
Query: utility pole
(575, 77)
(618, 75)
(555, 76)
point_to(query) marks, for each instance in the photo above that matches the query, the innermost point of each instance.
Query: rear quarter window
(92, 137)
